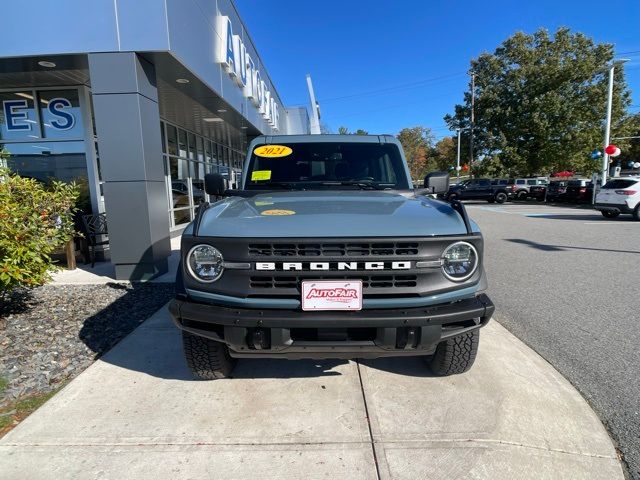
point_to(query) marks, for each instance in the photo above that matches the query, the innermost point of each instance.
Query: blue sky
(385, 65)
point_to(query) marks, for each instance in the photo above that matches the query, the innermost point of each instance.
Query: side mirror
(437, 182)
(214, 184)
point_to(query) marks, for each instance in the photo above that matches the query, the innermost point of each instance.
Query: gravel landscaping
(58, 331)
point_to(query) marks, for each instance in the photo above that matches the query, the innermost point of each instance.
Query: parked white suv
(620, 195)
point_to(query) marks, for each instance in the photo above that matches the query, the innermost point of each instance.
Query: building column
(127, 119)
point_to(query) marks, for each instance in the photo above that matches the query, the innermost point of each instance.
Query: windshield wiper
(281, 185)
(362, 184)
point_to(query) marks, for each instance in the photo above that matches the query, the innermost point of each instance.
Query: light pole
(473, 117)
(458, 157)
(315, 109)
(607, 128)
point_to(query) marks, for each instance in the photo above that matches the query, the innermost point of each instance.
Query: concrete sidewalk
(105, 272)
(138, 414)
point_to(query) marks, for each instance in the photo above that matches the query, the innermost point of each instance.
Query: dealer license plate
(332, 295)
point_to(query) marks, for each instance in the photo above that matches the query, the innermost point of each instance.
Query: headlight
(205, 263)
(459, 261)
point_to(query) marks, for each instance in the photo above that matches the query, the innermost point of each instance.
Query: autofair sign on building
(233, 55)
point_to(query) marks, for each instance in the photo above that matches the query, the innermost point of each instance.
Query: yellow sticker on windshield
(278, 212)
(260, 175)
(272, 151)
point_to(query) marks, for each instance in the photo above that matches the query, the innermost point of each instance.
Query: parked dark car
(477, 189)
(519, 188)
(538, 192)
(579, 191)
(556, 191)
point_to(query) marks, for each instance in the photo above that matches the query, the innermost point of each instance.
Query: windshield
(618, 183)
(326, 165)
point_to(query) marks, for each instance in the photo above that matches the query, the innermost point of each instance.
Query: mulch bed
(52, 333)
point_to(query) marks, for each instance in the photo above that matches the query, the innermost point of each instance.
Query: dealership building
(135, 100)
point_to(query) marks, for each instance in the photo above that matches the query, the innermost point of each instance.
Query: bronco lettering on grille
(287, 266)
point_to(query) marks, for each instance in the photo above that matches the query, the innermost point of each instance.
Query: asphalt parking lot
(565, 281)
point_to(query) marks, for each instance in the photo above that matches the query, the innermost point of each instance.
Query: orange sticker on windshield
(273, 151)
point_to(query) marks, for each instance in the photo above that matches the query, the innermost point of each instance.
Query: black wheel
(206, 358)
(452, 197)
(609, 214)
(636, 213)
(501, 197)
(455, 355)
(522, 195)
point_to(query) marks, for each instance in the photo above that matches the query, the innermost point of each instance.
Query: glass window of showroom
(42, 131)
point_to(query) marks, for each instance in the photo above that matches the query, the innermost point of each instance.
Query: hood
(361, 213)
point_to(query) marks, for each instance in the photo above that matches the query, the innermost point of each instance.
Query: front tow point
(407, 338)
(259, 339)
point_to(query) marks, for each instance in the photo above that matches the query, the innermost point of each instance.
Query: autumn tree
(417, 143)
(445, 152)
(540, 102)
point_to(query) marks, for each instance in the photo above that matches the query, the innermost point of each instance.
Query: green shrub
(35, 220)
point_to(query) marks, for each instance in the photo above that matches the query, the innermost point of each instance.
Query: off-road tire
(521, 195)
(636, 213)
(455, 355)
(501, 197)
(609, 214)
(206, 358)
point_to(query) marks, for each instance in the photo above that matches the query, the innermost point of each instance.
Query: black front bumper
(365, 334)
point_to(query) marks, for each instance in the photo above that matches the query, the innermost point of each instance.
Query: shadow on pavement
(407, 366)
(102, 331)
(155, 348)
(274, 368)
(561, 248)
(589, 218)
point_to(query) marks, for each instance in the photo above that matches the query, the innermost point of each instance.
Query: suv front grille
(261, 250)
(294, 282)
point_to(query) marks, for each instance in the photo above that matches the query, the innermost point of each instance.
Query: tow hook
(407, 338)
(259, 339)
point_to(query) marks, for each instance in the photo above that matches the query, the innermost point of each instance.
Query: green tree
(35, 220)
(345, 131)
(417, 143)
(445, 152)
(540, 102)
(630, 147)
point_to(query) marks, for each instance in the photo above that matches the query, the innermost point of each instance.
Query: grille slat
(380, 249)
(294, 282)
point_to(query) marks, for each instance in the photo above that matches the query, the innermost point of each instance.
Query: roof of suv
(326, 138)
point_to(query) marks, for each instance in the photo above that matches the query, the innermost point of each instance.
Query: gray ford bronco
(327, 251)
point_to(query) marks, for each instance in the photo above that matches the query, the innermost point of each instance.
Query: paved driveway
(138, 414)
(565, 281)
